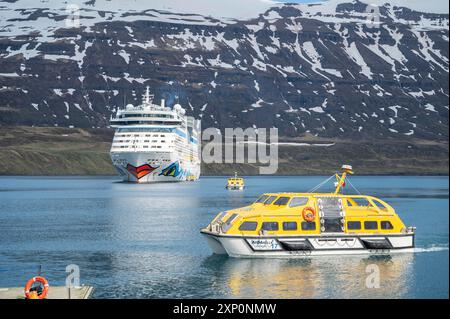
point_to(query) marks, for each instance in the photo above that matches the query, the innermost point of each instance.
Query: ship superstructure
(155, 143)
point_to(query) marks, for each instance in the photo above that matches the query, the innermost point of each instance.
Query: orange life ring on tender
(309, 214)
(30, 283)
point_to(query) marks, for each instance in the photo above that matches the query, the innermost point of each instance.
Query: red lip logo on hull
(140, 171)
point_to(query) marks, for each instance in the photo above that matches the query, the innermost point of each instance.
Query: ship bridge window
(370, 225)
(145, 130)
(298, 201)
(270, 226)
(289, 226)
(270, 200)
(308, 225)
(353, 225)
(282, 201)
(262, 199)
(248, 226)
(385, 224)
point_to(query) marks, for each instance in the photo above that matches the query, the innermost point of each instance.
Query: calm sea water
(143, 241)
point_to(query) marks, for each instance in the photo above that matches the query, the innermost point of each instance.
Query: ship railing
(215, 227)
(408, 230)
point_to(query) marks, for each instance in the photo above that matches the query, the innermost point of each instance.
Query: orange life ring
(309, 214)
(30, 283)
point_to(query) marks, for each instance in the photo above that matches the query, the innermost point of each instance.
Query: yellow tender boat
(191, 178)
(235, 183)
(307, 224)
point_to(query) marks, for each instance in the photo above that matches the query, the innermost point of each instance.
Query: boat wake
(430, 249)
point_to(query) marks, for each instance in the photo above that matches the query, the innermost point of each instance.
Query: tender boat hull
(235, 188)
(304, 246)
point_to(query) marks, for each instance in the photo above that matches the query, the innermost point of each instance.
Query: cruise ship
(155, 143)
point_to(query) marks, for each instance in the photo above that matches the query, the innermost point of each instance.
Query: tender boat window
(354, 225)
(220, 216)
(262, 199)
(248, 226)
(385, 224)
(289, 225)
(380, 204)
(298, 201)
(308, 226)
(227, 225)
(230, 219)
(359, 202)
(271, 226)
(270, 200)
(370, 225)
(282, 201)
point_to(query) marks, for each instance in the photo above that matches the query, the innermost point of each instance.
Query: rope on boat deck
(321, 184)
(348, 180)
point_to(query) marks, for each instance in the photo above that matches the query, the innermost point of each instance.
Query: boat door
(331, 214)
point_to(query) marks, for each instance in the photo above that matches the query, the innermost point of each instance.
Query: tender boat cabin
(283, 214)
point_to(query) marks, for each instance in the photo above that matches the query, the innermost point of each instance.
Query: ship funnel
(163, 102)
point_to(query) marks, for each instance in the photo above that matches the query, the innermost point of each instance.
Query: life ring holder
(30, 283)
(309, 214)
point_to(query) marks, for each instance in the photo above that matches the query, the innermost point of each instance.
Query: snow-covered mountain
(333, 68)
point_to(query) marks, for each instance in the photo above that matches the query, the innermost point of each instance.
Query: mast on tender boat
(347, 169)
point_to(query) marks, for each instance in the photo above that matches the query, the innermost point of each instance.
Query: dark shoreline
(45, 151)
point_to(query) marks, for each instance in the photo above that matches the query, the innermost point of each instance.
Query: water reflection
(143, 241)
(318, 277)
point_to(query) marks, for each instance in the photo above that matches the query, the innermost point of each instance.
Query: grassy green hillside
(54, 151)
(64, 151)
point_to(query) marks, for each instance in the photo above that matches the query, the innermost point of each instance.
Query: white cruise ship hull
(150, 167)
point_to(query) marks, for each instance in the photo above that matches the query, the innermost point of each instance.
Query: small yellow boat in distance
(191, 178)
(235, 183)
(308, 224)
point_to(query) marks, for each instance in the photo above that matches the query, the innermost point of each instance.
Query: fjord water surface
(143, 241)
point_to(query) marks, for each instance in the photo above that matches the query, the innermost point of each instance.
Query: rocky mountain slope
(319, 69)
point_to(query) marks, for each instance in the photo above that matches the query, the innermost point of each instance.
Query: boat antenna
(147, 98)
(347, 169)
(147, 95)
